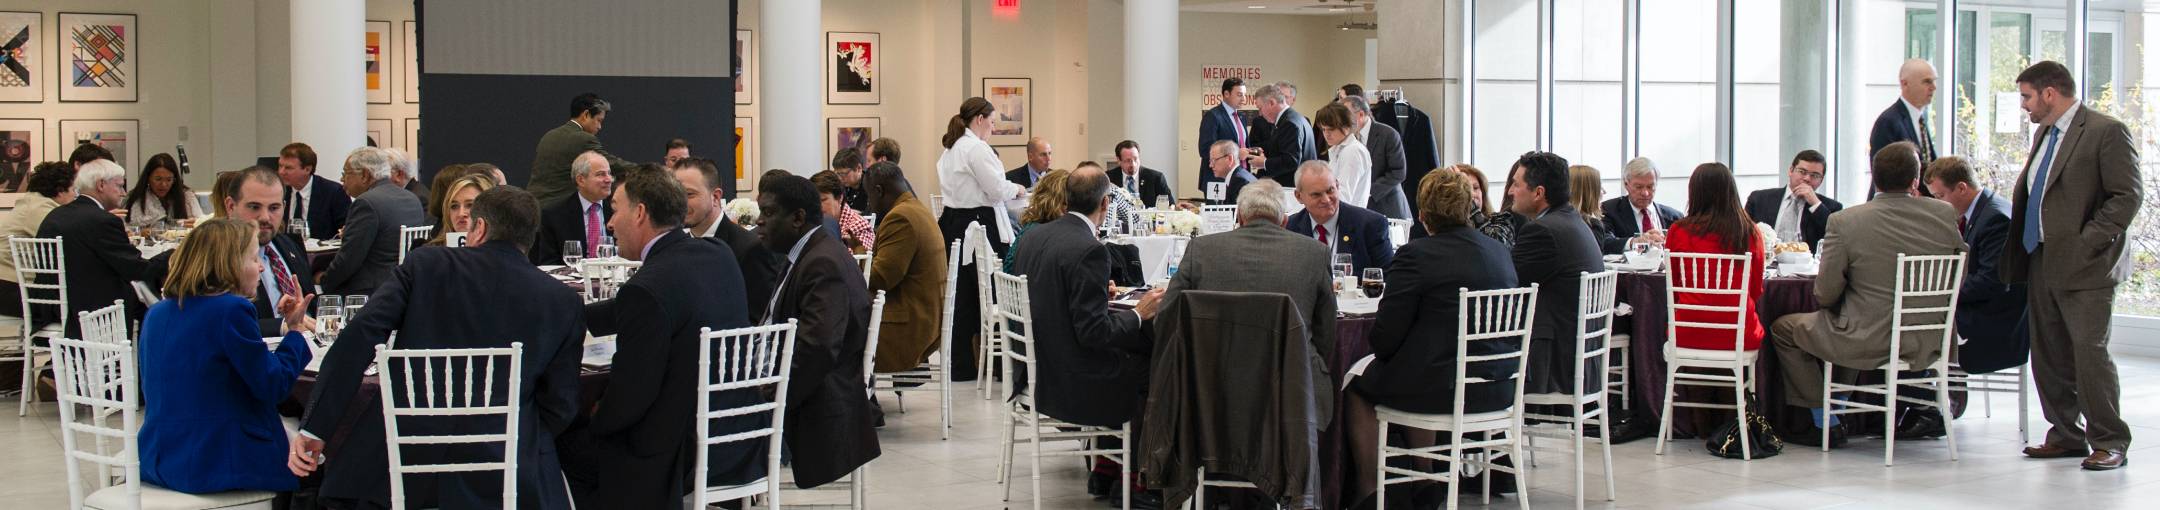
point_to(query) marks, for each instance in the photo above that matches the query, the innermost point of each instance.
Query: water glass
(353, 304)
(572, 252)
(1343, 265)
(298, 227)
(1162, 203)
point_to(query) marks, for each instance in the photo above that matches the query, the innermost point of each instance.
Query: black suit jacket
(1896, 125)
(560, 221)
(1093, 362)
(1152, 185)
(1362, 233)
(645, 422)
(1020, 176)
(1421, 144)
(98, 258)
(1553, 250)
(1413, 340)
(1233, 184)
(455, 298)
(327, 205)
(371, 239)
(1991, 313)
(828, 422)
(1215, 125)
(1288, 142)
(760, 267)
(1620, 218)
(295, 262)
(1763, 204)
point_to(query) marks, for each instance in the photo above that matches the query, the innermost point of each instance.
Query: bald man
(1038, 163)
(1908, 120)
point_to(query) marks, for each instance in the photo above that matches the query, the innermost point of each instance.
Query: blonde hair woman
(1588, 190)
(456, 205)
(1045, 204)
(211, 386)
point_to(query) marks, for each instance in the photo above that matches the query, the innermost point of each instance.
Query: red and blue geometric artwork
(97, 57)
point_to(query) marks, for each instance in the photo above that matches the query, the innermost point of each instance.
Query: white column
(1151, 82)
(329, 100)
(790, 56)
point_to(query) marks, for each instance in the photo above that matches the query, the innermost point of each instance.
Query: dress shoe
(2104, 460)
(1098, 485)
(2051, 451)
(1141, 500)
(1922, 424)
(1812, 437)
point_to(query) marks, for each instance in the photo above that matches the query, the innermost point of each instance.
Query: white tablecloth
(1155, 252)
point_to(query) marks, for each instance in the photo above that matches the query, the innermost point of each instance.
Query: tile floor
(919, 471)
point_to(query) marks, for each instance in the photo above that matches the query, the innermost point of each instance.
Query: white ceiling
(1307, 7)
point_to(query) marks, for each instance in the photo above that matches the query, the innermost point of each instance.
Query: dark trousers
(2071, 365)
(966, 312)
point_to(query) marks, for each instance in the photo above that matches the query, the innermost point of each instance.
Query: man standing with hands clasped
(2073, 206)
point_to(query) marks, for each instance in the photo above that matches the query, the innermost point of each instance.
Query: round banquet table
(1155, 252)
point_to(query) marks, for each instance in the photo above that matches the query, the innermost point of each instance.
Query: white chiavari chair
(1925, 305)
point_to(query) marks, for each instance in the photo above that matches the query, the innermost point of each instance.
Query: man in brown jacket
(908, 263)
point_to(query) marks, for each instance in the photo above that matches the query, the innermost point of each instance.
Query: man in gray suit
(1388, 162)
(1296, 266)
(1857, 286)
(379, 209)
(2074, 203)
(550, 180)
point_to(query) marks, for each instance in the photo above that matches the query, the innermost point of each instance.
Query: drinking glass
(328, 311)
(572, 252)
(1343, 265)
(1162, 203)
(1374, 282)
(353, 304)
(298, 227)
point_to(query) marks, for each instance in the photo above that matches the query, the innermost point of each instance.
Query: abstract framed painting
(98, 53)
(411, 142)
(854, 77)
(845, 132)
(745, 67)
(378, 62)
(410, 46)
(746, 162)
(22, 146)
(1010, 104)
(382, 133)
(22, 39)
(118, 136)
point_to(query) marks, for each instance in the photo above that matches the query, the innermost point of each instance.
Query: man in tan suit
(2074, 203)
(908, 263)
(1857, 286)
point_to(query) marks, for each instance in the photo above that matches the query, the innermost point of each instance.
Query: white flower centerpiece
(743, 211)
(1184, 223)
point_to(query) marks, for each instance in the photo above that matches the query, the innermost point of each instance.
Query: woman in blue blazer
(211, 384)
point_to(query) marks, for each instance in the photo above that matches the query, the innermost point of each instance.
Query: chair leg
(945, 402)
(2023, 380)
(1942, 404)
(1124, 471)
(1605, 439)
(1889, 420)
(1005, 462)
(1664, 430)
(1035, 441)
(1824, 425)
(1579, 467)
(1522, 494)
(1199, 501)
(29, 378)
(1380, 470)
(1739, 393)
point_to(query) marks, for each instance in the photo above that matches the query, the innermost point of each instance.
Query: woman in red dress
(1716, 223)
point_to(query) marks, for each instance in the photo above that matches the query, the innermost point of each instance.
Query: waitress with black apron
(973, 182)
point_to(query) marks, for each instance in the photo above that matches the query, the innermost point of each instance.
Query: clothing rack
(1395, 101)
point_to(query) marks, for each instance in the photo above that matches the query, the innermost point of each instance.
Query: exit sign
(1006, 4)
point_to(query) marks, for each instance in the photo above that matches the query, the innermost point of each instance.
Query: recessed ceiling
(1307, 7)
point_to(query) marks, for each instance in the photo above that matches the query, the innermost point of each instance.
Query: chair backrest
(1708, 274)
(1399, 231)
(1016, 325)
(36, 257)
(1218, 218)
(1925, 302)
(1596, 297)
(461, 384)
(863, 261)
(952, 288)
(603, 277)
(869, 353)
(870, 219)
(408, 237)
(1494, 316)
(96, 381)
(106, 325)
(987, 263)
(743, 359)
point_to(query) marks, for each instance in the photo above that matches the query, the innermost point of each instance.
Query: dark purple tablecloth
(591, 384)
(1646, 387)
(1352, 343)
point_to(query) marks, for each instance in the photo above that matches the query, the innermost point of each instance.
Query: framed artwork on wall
(378, 62)
(854, 77)
(1010, 120)
(411, 143)
(97, 52)
(745, 67)
(381, 132)
(22, 50)
(118, 136)
(844, 132)
(22, 146)
(410, 46)
(746, 165)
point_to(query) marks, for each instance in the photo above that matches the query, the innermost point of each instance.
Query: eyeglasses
(1808, 174)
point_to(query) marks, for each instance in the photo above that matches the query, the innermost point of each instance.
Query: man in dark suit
(1144, 183)
(1038, 163)
(379, 211)
(483, 296)
(1553, 248)
(829, 418)
(1389, 165)
(1285, 142)
(320, 202)
(99, 261)
(1222, 123)
(2069, 237)
(1907, 119)
(1796, 211)
(1638, 213)
(1224, 165)
(640, 445)
(1093, 360)
(705, 220)
(581, 217)
(254, 197)
(1991, 313)
(551, 179)
(1344, 228)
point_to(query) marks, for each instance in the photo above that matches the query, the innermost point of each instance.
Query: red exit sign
(1008, 9)
(1005, 4)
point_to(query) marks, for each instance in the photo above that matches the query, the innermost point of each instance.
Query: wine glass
(572, 252)
(1374, 282)
(606, 250)
(1343, 265)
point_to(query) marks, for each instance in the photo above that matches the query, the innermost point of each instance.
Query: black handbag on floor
(1763, 441)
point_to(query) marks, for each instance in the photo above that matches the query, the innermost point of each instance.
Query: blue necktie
(2039, 190)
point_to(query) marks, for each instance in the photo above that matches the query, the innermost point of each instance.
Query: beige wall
(173, 80)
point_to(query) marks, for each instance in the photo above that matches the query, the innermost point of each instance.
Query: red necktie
(1320, 231)
(592, 231)
(1238, 126)
(1646, 226)
(1961, 224)
(286, 284)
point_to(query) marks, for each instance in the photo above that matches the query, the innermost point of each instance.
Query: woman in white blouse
(1347, 156)
(973, 181)
(160, 199)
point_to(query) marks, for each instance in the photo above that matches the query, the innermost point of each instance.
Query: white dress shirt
(2062, 127)
(970, 177)
(1656, 223)
(1352, 165)
(301, 197)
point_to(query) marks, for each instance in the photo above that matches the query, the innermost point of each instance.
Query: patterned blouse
(854, 227)
(1500, 226)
